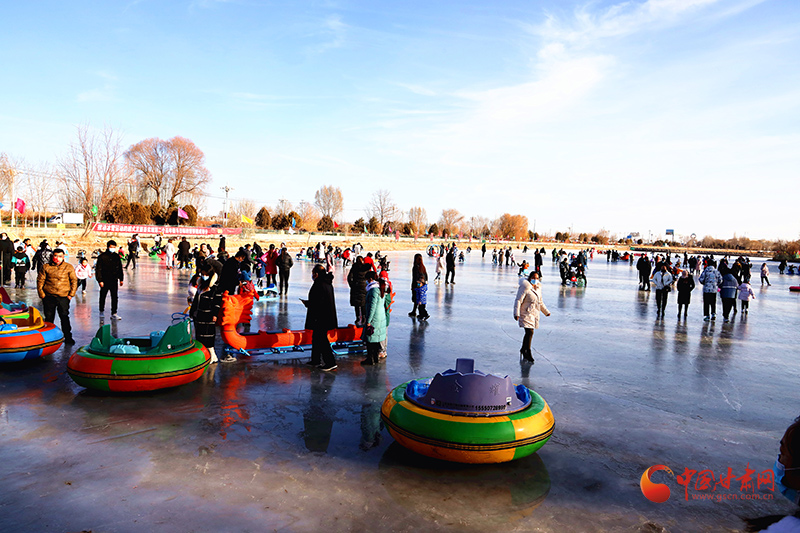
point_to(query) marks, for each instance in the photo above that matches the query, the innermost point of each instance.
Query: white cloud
(333, 33)
(623, 18)
(105, 93)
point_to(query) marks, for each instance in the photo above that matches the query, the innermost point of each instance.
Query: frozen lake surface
(274, 445)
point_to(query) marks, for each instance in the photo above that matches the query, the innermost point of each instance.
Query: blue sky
(628, 116)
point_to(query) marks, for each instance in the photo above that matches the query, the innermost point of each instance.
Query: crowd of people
(729, 279)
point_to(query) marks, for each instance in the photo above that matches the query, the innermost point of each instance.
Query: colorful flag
(19, 205)
(335, 224)
(182, 213)
(246, 219)
(2, 205)
(294, 222)
(94, 210)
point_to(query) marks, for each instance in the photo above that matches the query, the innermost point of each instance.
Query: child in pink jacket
(745, 295)
(83, 271)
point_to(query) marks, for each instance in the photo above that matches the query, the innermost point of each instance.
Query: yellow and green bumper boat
(467, 416)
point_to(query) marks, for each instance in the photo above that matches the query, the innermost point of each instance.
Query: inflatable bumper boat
(467, 416)
(237, 309)
(164, 359)
(27, 336)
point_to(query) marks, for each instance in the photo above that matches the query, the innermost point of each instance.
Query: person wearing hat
(21, 266)
(109, 274)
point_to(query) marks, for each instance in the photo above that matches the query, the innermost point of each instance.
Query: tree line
(99, 177)
(158, 181)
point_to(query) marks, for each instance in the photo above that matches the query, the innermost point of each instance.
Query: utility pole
(225, 207)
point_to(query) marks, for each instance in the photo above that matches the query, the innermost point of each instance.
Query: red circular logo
(655, 492)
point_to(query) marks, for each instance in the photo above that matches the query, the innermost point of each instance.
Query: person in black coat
(133, 251)
(644, 267)
(6, 252)
(42, 256)
(685, 286)
(450, 263)
(184, 249)
(321, 318)
(109, 274)
(205, 309)
(358, 288)
(537, 263)
(285, 264)
(229, 277)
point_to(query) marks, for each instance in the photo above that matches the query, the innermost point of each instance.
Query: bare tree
(40, 189)
(168, 170)
(189, 174)
(479, 226)
(283, 207)
(418, 218)
(239, 208)
(148, 163)
(92, 170)
(382, 207)
(309, 215)
(449, 220)
(329, 201)
(8, 171)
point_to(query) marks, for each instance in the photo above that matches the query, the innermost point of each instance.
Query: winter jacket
(20, 261)
(133, 246)
(7, 249)
(450, 260)
(376, 313)
(108, 268)
(419, 278)
(205, 307)
(711, 279)
(729, 286)
(285, 261)
(270, 260)
(321, 314)
(643, 266)
(439, 264)
(83, 272)
(41, 258)
(527, 305)
(387, 302)
(57, 280)
(746, 292)
(358, 285)
(183, 249)
(685, 287)
(662, 280)
(229, 277)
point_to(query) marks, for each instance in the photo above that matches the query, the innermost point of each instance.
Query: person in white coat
(169, 250)
(663, 282)
(527, 306)
(439, 268)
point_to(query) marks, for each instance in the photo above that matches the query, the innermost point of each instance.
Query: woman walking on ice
(527, 306)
